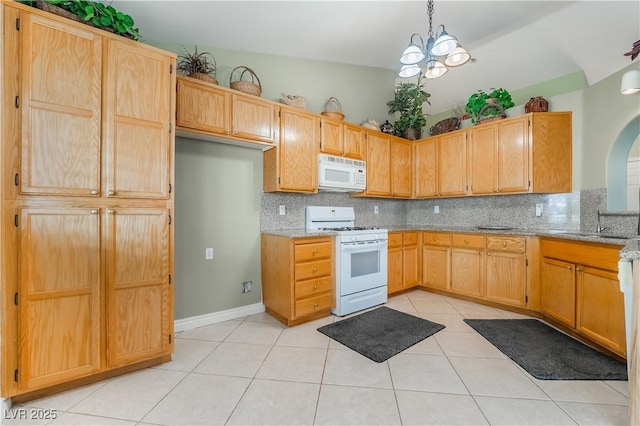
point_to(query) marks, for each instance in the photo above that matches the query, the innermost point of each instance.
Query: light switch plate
(208, 253)
(539, 209)
(436, 209)
(282, 210)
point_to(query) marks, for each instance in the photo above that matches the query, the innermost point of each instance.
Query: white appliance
(625, 277)
(360, 258)
(341, 174)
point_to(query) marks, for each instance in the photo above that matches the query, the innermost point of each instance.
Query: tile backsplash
(560, 211)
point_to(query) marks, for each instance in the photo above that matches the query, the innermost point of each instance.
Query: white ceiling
(515, 43)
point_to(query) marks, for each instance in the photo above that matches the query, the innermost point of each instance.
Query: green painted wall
(218, 189)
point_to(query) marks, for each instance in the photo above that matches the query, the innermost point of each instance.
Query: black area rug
(381, 333)
(547, 353)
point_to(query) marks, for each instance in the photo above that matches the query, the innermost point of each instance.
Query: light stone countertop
(630, 250)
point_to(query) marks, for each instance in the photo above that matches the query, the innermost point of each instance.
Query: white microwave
(341, 174)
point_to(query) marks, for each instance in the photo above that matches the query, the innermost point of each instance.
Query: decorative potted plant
(408, 101)
(480, 103)
(98, 14)
(200, 65)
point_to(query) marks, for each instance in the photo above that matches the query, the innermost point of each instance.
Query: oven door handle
(359, 245)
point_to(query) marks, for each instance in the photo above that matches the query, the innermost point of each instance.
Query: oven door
(363, 266)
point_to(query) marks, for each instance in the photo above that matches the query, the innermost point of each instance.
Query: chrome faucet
(599, 227)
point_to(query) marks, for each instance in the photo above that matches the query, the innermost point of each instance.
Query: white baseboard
(216, 317)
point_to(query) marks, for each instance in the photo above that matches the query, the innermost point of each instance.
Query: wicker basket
(249, 87)
(294, 101)
(333, 109)
(444, 126)
(204, 77)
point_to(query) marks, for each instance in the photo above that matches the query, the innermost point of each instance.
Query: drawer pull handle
(466, 241)
(314, 270)
(315, 287)
(504, 244)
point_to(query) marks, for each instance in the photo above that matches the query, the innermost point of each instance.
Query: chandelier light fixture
(439, 53)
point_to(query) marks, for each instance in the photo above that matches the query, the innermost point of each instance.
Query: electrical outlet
(208, 253)
(375, 209)
(246, 286)
(436, 209)
(282, 210)
(539, 209)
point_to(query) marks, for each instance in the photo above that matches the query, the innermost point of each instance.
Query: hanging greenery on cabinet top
(94, 13)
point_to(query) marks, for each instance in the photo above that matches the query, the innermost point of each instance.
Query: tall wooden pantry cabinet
(86, 198)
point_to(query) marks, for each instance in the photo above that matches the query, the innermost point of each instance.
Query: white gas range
(360, 258)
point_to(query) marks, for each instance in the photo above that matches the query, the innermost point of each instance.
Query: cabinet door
(559, 290)
(139, 306)
(401, 168)
(411, 266)
(61, 108)
(426, 168)
(394, 270)
(254, 118)
(600, 308)
(466, 272)
(452, 164)
(332, 137)
(299, 137)
(378, 164)
(513, 155)
(202, 106)
(435, 267)
(59, 295)
(482, 159)
(139, 105)
(506, 275)
(354, 144)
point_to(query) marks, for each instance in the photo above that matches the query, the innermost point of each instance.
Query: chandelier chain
(430, 12)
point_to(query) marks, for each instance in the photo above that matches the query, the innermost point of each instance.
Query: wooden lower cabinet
(580, 289)
(436, 254)
(297, 277)
(467, 265)
(506, 270)
(403, 261)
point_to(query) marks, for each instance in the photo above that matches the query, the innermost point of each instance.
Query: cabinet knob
(570, 267)
(315, 287)
(578, 269)
(235, 133)
(94, 211)
(504, 244)
(466, 241)
(110, 211)
(94, 192)
(314, 270)
(111, 192)
(314, 252)
(226, 131)
(315, 305)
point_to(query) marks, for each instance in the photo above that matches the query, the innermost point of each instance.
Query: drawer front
(436, 238)
(395, 239)
(306, 252)
(410, 238)
(320, 268)
(314, 304)
(468, 241)
(310, 287)
(506, 243)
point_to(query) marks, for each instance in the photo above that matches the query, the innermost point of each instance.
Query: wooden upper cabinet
(332, 137)
(293, 165)
(426, 167)
(253, 118)
(452, 163)
(201, 106)
(483, 159)
(401, 167)
(513, 155)
(378, 164)
(59, 293)
(139, 316)
(138, 122)
(210, 109)
(551, 152)
(61, 108)
(354, 142)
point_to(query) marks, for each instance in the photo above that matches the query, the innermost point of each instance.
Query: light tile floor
(256, 371)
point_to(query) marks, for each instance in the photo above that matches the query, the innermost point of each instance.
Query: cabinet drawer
(310, 287)
(321, 268)
(506, 243)
(410, 238)
(436, 238)
(313, 304)
(467, 241)
(395, 239)
(306, 252)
